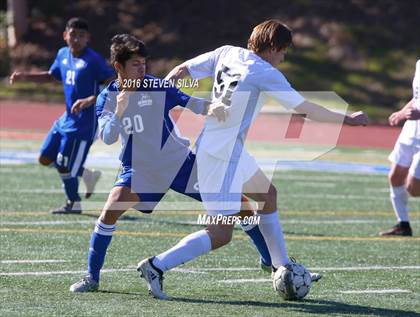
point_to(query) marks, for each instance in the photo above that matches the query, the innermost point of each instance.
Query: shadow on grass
(310, 306)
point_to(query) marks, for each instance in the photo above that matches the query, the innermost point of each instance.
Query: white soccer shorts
(407, 156)
(220, 182)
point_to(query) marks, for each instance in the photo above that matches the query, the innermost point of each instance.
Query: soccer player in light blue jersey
(81, 70)
(154, 156)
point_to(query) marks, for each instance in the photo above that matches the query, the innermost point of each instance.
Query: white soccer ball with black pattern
(301, 281)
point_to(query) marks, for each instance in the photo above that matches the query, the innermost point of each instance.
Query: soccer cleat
(91, 180)
(265, 267)
(315, 277)
(398, 230)
(86, 284)
(153, 277)
(71, 207)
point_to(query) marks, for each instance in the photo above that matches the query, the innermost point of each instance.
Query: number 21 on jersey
(70, 77)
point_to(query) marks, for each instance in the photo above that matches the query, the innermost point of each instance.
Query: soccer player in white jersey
(404, 177)
(239, 76)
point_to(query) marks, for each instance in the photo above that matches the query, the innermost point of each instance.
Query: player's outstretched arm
(38, 77)
(318, 113)
(179, 72)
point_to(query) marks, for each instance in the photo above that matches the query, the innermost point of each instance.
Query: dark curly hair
(125, 46)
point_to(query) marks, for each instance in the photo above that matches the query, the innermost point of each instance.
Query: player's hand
(122, 102)
(411, 113)
(357, 118)
(16, 76)
(81, 104)
(218, 110)
(395, 118)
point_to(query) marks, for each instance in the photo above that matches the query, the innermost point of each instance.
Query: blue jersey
(81, 77)
(149, 136)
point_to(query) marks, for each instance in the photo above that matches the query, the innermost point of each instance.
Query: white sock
(189, 248)
(273, 235)
(399, 200)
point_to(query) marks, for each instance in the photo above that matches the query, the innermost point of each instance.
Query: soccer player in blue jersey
(81, 70)
(154, 157)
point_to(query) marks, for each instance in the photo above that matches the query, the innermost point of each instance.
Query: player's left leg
(70, 159)
(186, 182)
(187, 249)
(401, 159)
(260, 189)
(50, 147)
(413, 179)
(119, 200)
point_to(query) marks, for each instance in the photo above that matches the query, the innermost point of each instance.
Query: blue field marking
(268, 164)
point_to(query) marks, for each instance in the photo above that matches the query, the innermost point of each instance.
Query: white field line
(288, 195)
(290, 221)
(189, 271)
(30, 261)
(334, 196)
(353, 177)
(376, 291)
(351, 268)
(61, 272)
(332, 178)
(46, 222)
(245, 280)
(368, 291)
(48, 191)
(315, 184)
(366, 268)
(216, 269)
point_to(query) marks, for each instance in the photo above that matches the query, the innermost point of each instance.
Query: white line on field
(351, 268)
(376, 291)
(315, 184)
(319, 177)
(31, 261)
(219, 269)
(366, 268)
(244, 280)
(192, 271)
(290, 221)
(61, 272)
(39, 223)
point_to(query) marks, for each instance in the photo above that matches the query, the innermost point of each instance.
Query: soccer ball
(301, 281)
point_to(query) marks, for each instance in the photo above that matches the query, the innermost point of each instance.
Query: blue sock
(253, 231)
(71, 186)
(99, 242)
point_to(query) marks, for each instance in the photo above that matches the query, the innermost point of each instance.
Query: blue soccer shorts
(67, 150)
(185, 182)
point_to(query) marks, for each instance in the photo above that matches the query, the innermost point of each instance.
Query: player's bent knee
(270, 203)
(397, 176)
(219, 236)
(110, 217)
(413, 188)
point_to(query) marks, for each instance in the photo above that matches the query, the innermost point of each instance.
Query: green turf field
(331, 221)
